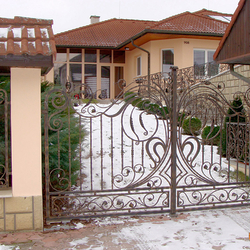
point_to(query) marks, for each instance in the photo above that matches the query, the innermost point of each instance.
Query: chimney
(94, 19)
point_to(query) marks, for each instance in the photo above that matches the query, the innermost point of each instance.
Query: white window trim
(206, 50)
(138, 57)
(162, 57)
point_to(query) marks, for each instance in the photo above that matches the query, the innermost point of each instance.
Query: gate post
(173, 123)
(46, 159)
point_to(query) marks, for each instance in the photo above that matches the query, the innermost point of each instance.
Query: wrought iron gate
(146, 151)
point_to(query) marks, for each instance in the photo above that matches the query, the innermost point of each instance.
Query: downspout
(237, 75)
(148, 62)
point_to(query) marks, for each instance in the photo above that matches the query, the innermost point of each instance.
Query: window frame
(138, 67)
(207, 69)
(206, 53)
(172, 49)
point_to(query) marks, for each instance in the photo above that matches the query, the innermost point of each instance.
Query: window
(167, 59)
(90, 79)
(105, 82)
(204, 66)
(119, 56)
(76, 72)
(90, 55)
(60, 73)
(105, 56)
(118, 76)
(138, 66)
(61, 55)
(92, 67)
(75, 55)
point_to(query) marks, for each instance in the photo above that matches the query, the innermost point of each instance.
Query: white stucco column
(26, 131)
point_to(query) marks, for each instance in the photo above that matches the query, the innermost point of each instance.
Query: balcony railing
(187, 76)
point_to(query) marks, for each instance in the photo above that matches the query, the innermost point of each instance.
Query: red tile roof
(116, 32)
(109, 33)
(29, 36)
(189, 22)
(205, 12)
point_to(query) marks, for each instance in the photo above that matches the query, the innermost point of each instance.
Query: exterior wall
(183, 54)
(26, 132)
(21, 207)
(231, 83)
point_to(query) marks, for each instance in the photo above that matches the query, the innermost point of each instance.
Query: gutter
(167, 32)
(132, 42)
(237, 75)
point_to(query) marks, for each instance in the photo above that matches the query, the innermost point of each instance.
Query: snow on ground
(125, 136)
(200, 230)
(221, 229)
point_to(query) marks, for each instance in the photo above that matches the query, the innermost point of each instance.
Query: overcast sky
(70, 14)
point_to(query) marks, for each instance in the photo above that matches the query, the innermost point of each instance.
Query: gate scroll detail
(130, 155)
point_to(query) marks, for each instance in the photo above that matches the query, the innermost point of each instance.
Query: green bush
(86, 100)
(153, 108)
(222, 147)
(5, 86)
(59, 178)
(191, 126)
(129, 95)
(136, 101)
(181, 117)
(143, 104)
(211, 136)
(163, 112)
(236, 114)
(236, 111)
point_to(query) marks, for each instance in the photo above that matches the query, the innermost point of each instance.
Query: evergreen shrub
(191, 126)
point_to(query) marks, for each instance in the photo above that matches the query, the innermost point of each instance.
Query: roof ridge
(171, 17)
(84, 27)
(209, 18)
(100, 23)
(185, 14)
(203, 10)
(25, 20)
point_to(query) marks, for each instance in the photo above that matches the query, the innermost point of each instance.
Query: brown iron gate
(146, 151)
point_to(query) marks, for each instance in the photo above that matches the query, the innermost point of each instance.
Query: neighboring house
(101, 53)
(234, 47)
(234, 50)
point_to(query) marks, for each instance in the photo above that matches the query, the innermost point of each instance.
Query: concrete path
(210, 229)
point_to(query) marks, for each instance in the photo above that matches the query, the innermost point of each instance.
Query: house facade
(101, 53)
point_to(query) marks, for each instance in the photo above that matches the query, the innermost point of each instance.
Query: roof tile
(189, 22)
(114, 32)
(109, 33)
(23, 35)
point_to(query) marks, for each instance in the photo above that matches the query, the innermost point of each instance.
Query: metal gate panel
(132, 156)
(122, 157)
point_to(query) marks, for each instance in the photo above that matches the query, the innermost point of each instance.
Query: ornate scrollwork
(3, 176)
(212, 196)
(3, 96)
(59, 179)
(128, 175)
(144, 116)
(65, 205)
